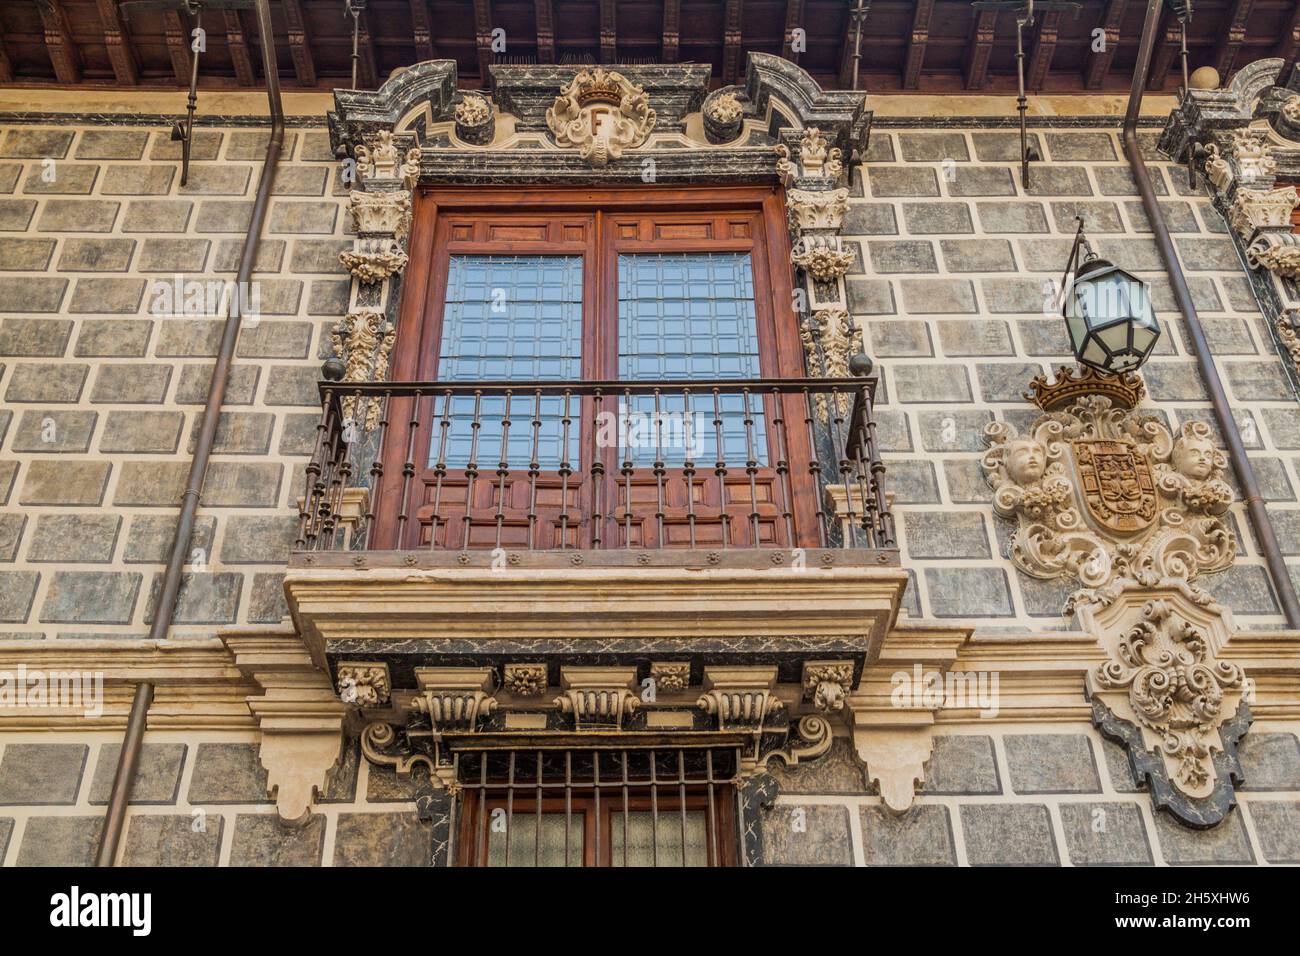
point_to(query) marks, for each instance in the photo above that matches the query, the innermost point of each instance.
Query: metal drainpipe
(1259, 519)
(124, 778)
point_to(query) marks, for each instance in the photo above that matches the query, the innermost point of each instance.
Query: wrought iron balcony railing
(542, 466)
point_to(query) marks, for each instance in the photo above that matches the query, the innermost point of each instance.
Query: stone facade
(925, 251)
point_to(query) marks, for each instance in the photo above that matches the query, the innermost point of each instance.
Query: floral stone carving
(601, 113)
(374, 260)
(1110, 497)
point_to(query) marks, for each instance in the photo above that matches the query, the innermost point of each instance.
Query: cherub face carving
(1194, 457)
(1026, 461)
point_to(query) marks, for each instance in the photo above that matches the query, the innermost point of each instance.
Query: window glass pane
(643, 832)
(525, 846)
(510, 317)
(688, 316)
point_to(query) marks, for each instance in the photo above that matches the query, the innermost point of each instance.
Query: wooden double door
(574, 287)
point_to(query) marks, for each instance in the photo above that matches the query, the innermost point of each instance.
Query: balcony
(722, 538)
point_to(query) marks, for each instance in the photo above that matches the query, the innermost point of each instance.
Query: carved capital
(381, 213)
(817, 209)
(812, 158)
(1253, 211)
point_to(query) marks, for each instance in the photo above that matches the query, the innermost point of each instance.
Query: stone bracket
(298, 714)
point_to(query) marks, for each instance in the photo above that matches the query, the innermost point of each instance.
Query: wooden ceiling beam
(852, 38)
(1289, 46)
(793, 21)
(732, 15)
(1040, 60)
(177, 35)
(672, 30)
(608, 32)
(304, 67)
(422, 30)
(368, 67)
(1166, 52)
(483, 37)
(1099, 61)
(980, 46)
(6, 64)
(1232, 36)
(63, 52)
(118, 42)
(916, 43)
(240, 57)
(545, 15)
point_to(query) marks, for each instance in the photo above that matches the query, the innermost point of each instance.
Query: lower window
(596, 808)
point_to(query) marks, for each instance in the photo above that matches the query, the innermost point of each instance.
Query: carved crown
(603, 89)
(1074, 381)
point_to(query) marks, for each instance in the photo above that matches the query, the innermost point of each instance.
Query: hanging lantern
(1108, 313)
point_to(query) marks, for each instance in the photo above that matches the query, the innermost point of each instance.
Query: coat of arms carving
(602, 113)
(1116, 484)
(1107, 495)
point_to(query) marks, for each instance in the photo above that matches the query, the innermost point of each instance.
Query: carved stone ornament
(381, 213)
(1167, 696)
(473, 110)
(1278, 254)
(830, 338)
(1251, 155)
(601, 113)
(822, 257)
(474, 120)
(374, 260)
(725, 108)
(826, 684)
(671, 676)
(381, 157)
(1291, 110)
(525, 680)
(1108, 496)
(1217, 167)
(816, 159)
(364, 684)
(363, 340)
(819, 209)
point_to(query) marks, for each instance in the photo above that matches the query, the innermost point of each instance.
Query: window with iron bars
(596, 807)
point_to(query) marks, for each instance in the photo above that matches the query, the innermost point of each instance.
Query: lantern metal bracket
(1080, 241)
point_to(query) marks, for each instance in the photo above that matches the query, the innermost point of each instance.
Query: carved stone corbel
(454, 698)
(741, 698)
(598, 698)
(891, 714)
(300, 719)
